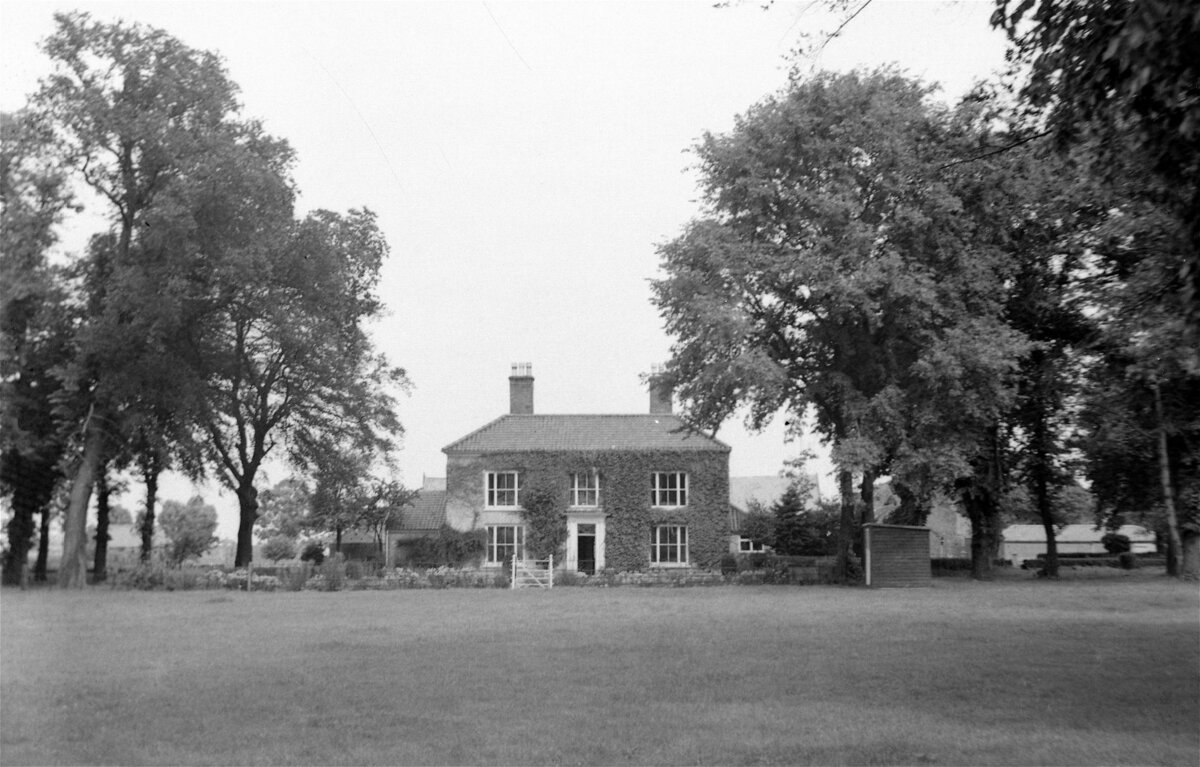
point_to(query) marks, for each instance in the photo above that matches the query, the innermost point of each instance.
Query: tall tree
(1124, 77)
(1044, 212)
(835, 270)
(338, 476)
(293, 364)
(137, 112)
(1141, 419)
(382, 501)
(189, 527)
(35, 327)
(283, 509)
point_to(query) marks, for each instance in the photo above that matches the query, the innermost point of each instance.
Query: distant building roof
(548, 433)
(1072, 534)
(426, 512)
(127, 536)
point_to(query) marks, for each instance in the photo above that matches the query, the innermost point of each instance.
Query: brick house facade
(638, 491)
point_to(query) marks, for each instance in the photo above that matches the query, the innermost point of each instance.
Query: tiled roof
(427, 512)
(547, 433)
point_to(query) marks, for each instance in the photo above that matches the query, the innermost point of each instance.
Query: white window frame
(662, 548)
(579, 491)
(498, 551)
(492, 491)
(661, 494)
(749, 546)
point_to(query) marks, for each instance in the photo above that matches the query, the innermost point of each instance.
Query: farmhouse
(639, 491)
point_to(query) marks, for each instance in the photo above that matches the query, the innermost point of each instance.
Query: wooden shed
(897, 556)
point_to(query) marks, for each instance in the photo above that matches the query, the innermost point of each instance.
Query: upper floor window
(585, 489)
(668, 488)
(503, 489)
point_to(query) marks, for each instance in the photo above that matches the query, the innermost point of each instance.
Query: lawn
(1091, 671)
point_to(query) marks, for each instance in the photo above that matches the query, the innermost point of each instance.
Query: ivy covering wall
(624, 495)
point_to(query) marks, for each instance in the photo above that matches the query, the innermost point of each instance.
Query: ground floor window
(505, 541)
(668, 544)
(747, 545)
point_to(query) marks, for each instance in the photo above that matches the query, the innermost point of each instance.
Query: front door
(585, 547)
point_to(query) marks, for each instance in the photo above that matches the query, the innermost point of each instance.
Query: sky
(524, 159)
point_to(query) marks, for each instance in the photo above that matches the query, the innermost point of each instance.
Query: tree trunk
(1164, 475)
(981, 510)
(32, 480)
(72, 570)
(865, 513)
(846, 527)
(868, 497)
(912, 509)
(1050, 564)
(1041, 491)
(980, 496)
(20, 537)
(151, 468)
(43, 555)
(100, 560)
(247, 514)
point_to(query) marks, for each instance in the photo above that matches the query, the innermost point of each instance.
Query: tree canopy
(835, 269)
(212, 328)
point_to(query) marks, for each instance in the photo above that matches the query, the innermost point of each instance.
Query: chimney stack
(520, 389)
(660, 392)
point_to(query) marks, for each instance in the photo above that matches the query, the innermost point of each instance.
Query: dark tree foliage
(291, 363)
(189, 527)
(35, 328)
(279, 547)
(1124, 77)
(138, 114)
(804, 531)
(450, 547)
(840, 267)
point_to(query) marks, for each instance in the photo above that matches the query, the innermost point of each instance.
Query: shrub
(1115, 543)
(450, 547)
(279, 547)
(729, 564)
(189, 527)
(294, 578)
(1128, 560)
(314, 551)
(236, 580)
(333, 573)
(144, 577)
(213, 578)
(354, 570)
(959, 565)
(568, 578)
(184, 579)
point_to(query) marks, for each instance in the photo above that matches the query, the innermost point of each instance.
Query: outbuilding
(1022, 542)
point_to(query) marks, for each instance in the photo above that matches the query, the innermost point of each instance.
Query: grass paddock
(1091, 671)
